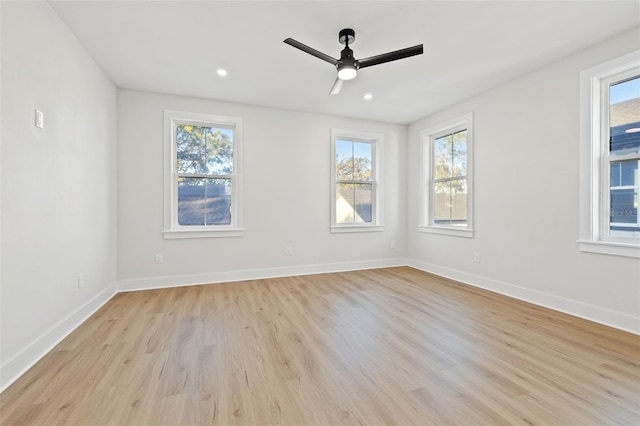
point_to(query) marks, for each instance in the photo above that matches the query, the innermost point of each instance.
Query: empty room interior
(319, 212)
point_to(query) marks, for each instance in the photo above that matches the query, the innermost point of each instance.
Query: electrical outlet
(392, 245)
(476, 257)
(288, 250)
(80, 280)
(159, 258)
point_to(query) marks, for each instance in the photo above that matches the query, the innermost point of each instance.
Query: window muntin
(355, 181)
(202, 182)
(446, 178)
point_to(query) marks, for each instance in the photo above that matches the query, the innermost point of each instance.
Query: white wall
(526, 212)
(58, 185)
(286, 198)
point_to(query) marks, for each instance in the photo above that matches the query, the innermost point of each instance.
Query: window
(202, 176)
(610, 157)
(446, 178)
(356, 194)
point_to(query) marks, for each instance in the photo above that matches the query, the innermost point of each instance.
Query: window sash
(436, 219)
(601, 106)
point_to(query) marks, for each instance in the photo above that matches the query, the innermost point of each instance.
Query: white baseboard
(16, 366)
(254, 274)
(572, 307)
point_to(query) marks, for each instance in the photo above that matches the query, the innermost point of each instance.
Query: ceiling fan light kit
(347, 72)
(347, 65)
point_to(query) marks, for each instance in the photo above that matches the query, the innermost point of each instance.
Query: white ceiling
(469, 46)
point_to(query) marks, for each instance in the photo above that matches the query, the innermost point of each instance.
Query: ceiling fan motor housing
(346, 58)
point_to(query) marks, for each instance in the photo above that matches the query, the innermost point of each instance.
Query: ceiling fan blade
(335, 89)
(311, 51)
(391, 56)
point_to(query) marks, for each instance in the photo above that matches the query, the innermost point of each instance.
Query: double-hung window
(610, 157)
(202, 179)
(446, 185)
(356, 192)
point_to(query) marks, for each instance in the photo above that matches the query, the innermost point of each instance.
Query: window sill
(606, 247)
(339, 229)
(442, 230)
(204, 233)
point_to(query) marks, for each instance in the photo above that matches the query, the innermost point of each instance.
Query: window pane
(442, 157)
(615, 173)
(190, 149)
(218, 211)
(345, 203)
(624, 206)
(624, 116)
(344, 160)
(219, 151)
(191, 201)
(459, 161)
(625, 184)
(362, 161)
(363, 201)
(450, 202)
(629, 173)
(204, 201)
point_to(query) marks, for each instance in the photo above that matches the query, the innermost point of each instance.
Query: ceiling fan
(347, 65)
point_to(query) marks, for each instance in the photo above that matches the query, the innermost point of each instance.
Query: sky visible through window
(624, 91)
(350, 149)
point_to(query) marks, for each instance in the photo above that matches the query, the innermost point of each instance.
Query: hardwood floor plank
(387, 346)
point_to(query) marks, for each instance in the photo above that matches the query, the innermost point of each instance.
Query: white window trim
(172, 230)
(426, 194)
(594, 194)
(377, 140)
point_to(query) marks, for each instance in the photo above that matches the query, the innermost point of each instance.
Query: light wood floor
(387, 346)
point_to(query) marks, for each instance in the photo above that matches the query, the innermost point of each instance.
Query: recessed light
(368, 97)
(221, 72)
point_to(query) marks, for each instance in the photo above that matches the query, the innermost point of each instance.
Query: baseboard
(254, 274)
(16, 366)
(572, 307)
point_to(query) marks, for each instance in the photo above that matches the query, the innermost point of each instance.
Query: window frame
(172, 229)
(595, 162)
(377, 142)
(427, 138)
